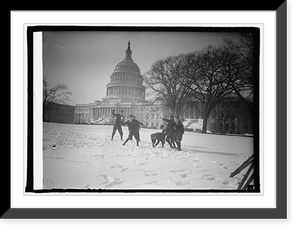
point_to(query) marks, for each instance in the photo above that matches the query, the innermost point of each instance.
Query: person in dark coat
(118, 123)
(179, 131)
(158, 137)
(170, 131)
(134, 129)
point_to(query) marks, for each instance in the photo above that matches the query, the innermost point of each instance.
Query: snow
(85, 157)
(194, 124)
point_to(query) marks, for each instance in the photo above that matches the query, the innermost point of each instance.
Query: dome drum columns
(125, 90)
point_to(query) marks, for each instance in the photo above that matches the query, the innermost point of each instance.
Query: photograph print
(150, 109)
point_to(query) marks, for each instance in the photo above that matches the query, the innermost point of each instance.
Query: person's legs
(120, 131)
(126, 141)
(129, 138)
(169, 139)
(113, 132)
(136, 135)
(173, 139)
(178, 145)
(175, 146)
(178, 141)
(171, 145)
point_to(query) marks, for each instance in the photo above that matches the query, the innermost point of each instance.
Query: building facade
(59, 113)
(231, 116)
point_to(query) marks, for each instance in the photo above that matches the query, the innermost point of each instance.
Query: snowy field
(85, 157)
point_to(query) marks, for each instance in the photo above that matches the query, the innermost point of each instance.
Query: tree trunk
(204, 126)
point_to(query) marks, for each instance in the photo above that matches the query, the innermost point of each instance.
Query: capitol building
(126, 92)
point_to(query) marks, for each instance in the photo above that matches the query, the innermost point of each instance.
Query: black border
(32, 29)
(140, 6)
(194, 213)
(30, 141)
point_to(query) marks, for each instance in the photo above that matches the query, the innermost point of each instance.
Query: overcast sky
(84, 60)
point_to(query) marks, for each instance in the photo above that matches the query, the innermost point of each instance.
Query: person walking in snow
(179, 131)
(170, 131)
(118, 124)
(134, 129)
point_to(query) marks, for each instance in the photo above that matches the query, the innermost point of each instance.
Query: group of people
(133, 127)
(172, 133)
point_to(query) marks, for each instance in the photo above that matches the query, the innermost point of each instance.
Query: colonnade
(106, 112)
(125, 90)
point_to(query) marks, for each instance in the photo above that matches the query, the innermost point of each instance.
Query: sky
(84, 60)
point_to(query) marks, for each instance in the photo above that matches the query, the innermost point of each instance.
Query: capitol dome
(127, 65)
(126, 82)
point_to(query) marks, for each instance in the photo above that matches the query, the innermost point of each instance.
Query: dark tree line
(57, 94)
(210, 76)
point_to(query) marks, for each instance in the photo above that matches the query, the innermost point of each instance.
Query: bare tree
(216, 74)
(210, 76)
(165, 80)
(57, 94)
(244, 88)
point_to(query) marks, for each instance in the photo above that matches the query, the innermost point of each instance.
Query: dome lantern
(128, 52)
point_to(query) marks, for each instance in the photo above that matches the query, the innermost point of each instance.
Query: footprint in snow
(197, 165)
(225, 182)
(183, 175)
(110, 181)
(149, 173)
(123, 169)
(208, 177)
(178, 171)
(178, 183)
(141, 164)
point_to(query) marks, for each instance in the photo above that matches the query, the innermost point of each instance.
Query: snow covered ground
(85, 157)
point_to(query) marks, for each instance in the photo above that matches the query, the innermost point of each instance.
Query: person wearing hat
(170, 131)
(118, 123)
(179, 131)
(134, 129)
